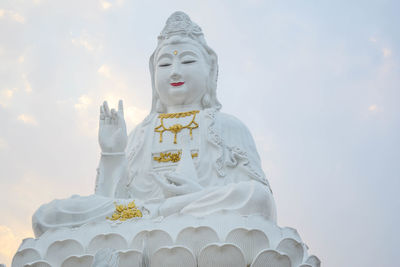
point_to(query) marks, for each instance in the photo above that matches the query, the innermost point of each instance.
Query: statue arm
(112, 168)
(112, 140)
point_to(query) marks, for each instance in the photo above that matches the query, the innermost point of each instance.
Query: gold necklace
(176, 128)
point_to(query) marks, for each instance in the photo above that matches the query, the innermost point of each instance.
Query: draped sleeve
(137, 184)
(241, 159)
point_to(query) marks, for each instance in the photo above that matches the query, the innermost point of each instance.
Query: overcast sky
(316, 82)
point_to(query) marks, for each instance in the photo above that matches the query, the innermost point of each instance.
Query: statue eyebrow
(165, 55)
(185, 53)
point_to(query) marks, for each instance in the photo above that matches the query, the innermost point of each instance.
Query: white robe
(228, 168)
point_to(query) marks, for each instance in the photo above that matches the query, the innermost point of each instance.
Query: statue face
(181, 74)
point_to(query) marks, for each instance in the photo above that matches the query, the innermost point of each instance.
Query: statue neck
(183, 108)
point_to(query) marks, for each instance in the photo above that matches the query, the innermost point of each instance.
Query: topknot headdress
(180, 24)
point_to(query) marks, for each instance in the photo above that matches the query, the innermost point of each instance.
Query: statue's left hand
(175, 184)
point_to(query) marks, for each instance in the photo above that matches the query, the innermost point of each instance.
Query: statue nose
(176, 72)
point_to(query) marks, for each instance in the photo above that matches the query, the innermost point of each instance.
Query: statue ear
(160, 108)
(212, 83)
(209, 98)
(214, 69)
(206, 100)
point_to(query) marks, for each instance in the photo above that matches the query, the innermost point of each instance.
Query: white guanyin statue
(185, 188)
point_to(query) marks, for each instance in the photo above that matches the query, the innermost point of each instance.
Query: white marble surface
(223, 191)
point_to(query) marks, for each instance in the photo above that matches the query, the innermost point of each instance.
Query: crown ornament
(179, 23)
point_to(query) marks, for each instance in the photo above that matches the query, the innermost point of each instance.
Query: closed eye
(164, 65)
(188, 61)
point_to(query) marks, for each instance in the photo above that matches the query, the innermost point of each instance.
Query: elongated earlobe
(160, 107)
(206, 101)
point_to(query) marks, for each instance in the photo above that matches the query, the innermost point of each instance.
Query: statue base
(221, 239)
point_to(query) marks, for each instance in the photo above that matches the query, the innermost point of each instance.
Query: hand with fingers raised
(112, 130)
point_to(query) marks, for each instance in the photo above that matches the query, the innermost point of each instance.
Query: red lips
(177, 84)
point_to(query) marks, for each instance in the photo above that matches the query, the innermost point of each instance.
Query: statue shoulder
(231, 125)
(236, 134)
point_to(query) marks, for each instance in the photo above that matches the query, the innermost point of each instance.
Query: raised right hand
(112, 129)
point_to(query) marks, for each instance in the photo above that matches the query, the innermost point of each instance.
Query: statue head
(183, 68)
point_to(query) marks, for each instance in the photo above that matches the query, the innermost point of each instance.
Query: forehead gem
(175, 52)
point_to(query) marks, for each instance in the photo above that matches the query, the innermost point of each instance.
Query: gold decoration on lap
(125, 212)
(176, 128)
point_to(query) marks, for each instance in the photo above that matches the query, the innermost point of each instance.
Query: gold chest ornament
(177, 128)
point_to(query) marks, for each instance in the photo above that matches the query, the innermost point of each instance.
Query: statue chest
(168, 135)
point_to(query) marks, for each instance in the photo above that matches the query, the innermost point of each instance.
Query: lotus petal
(289, 232)
(78, 261)
(101, 241)
(313, 261)
(221, 255)
(271, 258)
(130, 258)
(293, 249)
(24, 256)
(41, 263)
(105, 257)
(173, 257)
(27, 243)
(60, 250)
(150, 241)
(251, 242)
(196, 238)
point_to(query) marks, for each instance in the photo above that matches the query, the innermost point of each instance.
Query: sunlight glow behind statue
(185, 188)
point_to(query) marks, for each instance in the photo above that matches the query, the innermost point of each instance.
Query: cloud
(6, 96)
(373, 108)
(82, 42)
(3, 143)
(134, 115)
(28, 87)
(84, 102)
(27, 119)
(386, 52)
(8, 93)
(9, 243)
(87, 41)
(37, 2)
(105, 71)
(17, 17)
(105, 4)
(86, 119)
(373, 40)
(12, 15)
